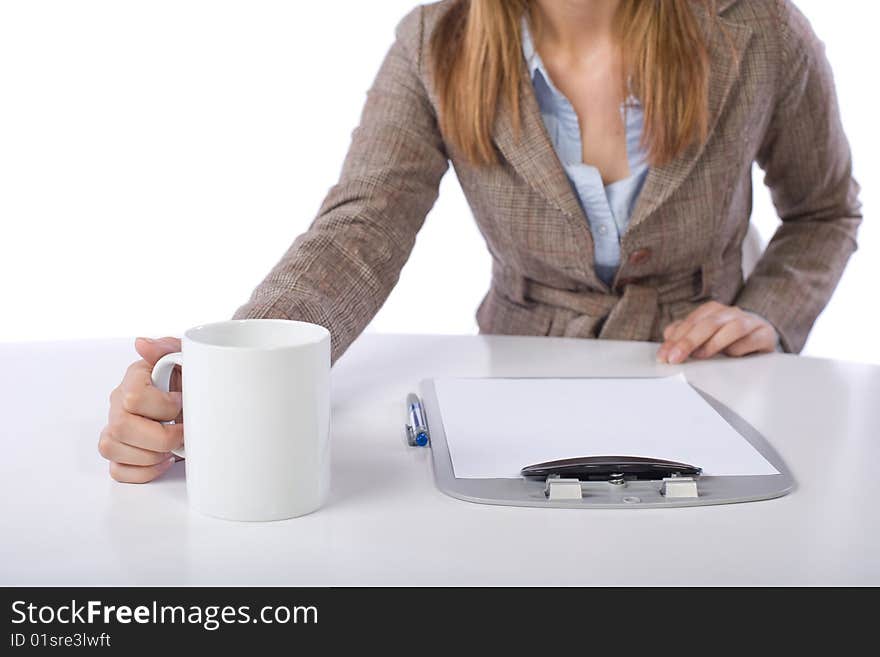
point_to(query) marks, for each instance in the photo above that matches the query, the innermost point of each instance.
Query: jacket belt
(630, 315)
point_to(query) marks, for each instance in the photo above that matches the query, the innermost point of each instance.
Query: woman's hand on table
(714, 328)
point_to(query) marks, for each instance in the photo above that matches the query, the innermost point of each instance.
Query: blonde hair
(476, 61)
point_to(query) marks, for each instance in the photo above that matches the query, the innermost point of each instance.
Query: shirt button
(639, 257)
(603, 229)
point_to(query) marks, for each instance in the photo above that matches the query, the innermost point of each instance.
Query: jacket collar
(535, 160)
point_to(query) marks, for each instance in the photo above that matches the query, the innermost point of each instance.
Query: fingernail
(660, 358)
(675, 355)
(150, 340)
(172, 461)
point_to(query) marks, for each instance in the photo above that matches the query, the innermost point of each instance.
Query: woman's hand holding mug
(257, 407)
(135, 441)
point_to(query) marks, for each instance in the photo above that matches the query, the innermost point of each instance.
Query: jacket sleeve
(808, 169)
(340, 271)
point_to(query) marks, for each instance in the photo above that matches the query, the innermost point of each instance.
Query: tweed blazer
(771, 100)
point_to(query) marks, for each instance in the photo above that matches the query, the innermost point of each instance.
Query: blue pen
(417, 429)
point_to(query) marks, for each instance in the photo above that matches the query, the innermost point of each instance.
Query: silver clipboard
(601, 494)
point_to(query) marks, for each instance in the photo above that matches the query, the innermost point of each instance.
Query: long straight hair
(477, 63)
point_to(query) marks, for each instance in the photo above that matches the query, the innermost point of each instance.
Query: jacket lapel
(663, 180)
(533, 156)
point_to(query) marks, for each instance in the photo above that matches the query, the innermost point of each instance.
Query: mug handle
(161, 377)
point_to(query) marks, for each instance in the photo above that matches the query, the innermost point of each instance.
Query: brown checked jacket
(771, 101)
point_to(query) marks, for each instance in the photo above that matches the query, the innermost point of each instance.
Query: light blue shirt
(608, 207)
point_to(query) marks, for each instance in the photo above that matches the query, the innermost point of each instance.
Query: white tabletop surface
(64, 521)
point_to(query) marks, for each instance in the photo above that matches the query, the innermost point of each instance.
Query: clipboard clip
(563, 477)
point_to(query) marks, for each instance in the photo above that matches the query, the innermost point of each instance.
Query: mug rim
(190, 334)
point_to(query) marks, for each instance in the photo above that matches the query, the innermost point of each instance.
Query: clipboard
(555, 492)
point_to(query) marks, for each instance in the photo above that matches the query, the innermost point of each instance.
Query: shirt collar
(534, 63)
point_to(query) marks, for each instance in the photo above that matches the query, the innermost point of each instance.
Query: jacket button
(639, 257)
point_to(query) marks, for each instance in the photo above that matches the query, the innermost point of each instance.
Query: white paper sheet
(494, 427)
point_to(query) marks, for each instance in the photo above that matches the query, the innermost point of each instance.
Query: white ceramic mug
(256, 413)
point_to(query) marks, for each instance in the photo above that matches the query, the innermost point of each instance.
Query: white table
(64, 521)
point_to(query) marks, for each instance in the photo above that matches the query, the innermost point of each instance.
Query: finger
(113, 450)
(138, 395)
(698, 314)
(761, 340)
(697, 336)
(152, 350)
(141, 432)
(135, 474)
(683, 327)
(736, 328)
(667, 332)
(663, 351)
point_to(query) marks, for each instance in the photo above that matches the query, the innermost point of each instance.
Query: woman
(605, 148)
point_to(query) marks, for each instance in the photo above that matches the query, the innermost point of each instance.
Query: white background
(158, 157)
